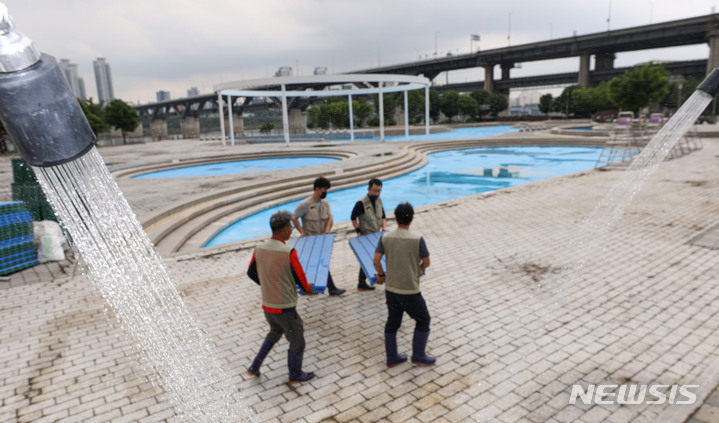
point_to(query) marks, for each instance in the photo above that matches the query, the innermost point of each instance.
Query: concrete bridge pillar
(190, 127)
(298, 121)
(238, 126)
(489, 77)
(604, 61)
(505, 70)
(137, 133)
(713, 59)
(158, 129)
(584, 81)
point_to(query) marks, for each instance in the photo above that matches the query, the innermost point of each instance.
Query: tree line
(116, 114)
(635, 90)
(333, 112)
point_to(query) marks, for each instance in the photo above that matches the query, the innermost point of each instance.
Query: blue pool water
(241, 166)
(457, 134)
(448, 175)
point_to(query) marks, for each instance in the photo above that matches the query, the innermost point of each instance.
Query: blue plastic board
(14, 218)
(314, 253)
(364, 247)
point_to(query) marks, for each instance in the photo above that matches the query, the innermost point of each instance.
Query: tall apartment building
(193, 92)
(162, 95)
(77, 84)
(103, 79)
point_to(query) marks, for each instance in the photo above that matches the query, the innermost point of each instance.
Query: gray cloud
(173, 45)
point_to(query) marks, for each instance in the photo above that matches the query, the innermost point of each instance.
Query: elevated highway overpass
(602, 46)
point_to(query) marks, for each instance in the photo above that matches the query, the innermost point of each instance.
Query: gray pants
(289, 324)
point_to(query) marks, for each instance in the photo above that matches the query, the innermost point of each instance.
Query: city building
(321, 70)
(103, 79)
(284, 71)
(77, 84)
(162, 95)
(193, 92)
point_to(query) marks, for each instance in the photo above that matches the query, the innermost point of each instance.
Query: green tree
(415, 103)
(389, 104)
(497, 104)
(434, 105)
(564, 103)
(339, 114)
(267, 128)
(94, 115)
(122, 116)
(468, 107)
(482, 98)
(545, 103)
(592, 100)
(637, 88)
(362, 109)
(676, 95)
(450, 104)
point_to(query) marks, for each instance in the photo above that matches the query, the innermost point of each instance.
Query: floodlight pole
(222, 117)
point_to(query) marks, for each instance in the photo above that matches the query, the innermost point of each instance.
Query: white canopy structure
(323, 86)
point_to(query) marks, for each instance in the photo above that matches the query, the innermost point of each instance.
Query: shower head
(710, 84)
(37, 106)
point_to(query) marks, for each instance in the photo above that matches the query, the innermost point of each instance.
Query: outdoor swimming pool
(456, 134)
(448, 175)
(240, 166)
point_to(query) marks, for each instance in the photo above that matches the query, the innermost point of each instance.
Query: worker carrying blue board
(368, 217)
(317, 219)
(277, 269)
(406, 258)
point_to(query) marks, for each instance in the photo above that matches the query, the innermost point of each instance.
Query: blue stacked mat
(314, 253)
(364, 247)
(17, 250)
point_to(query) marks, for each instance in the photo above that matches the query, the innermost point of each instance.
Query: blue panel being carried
(314, 253)
(364, 247)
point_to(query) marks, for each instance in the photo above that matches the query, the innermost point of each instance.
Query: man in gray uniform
(407, 257)
(368, 217)
(317, 219)
(277, 269)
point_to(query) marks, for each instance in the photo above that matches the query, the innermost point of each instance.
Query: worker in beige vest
(277, 269)
(317, 219)
(367, 218)
(406, 258)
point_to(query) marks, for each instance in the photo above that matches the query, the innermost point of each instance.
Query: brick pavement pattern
(510, 333)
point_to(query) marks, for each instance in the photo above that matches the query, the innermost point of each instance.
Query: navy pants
(288, 324)
(413, 305)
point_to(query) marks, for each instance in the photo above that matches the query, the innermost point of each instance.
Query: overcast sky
(173, 45)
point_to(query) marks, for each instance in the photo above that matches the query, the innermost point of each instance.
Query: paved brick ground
(510, 334)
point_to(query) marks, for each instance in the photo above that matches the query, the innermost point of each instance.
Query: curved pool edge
(198, 228)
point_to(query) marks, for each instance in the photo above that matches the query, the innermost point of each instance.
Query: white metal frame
(261, 88)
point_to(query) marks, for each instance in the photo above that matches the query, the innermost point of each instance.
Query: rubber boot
(294, 363)
(390, 346)
(419, 343)
(333, 290)
(362, 284)
(265, 349)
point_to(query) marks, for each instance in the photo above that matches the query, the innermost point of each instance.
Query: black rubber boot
(294, 363)
(390, 346)
(419, 343)
(265, 349)
(332, 289)
(362, 284)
